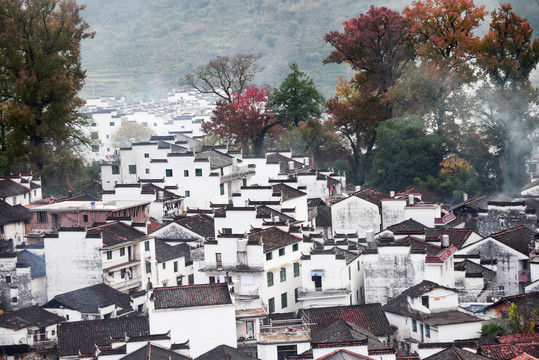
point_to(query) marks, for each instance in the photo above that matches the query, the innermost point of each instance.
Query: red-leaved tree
(245, 122)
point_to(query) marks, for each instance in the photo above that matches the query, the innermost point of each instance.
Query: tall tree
(296, 99)
(377, 44)
(224, 76)
(40, 76)
(355, 116)
(507, 55)
(129, 133)
(444, 38)
(245, 122)
(407, 154)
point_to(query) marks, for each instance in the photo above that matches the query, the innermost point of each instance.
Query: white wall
(355, 214)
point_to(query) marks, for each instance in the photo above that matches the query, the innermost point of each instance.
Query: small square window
(115, 169)
(164, 265)
(226, 231)
(85, 218)
(14, 299)
(146, 155)
(122, 251)
(94, 124)
(198, 172)
(187, 193)
(168, 172)
(8, 279)
(95, 148)
(175, 266)
(269, 256)
(295, 247)
(281, 252)
(94, 135)
(147, 171)
(222, 189)
(111, 123)
(109, 255)
(186, 173)
(179, 281)
(132, 169)
(146, 246)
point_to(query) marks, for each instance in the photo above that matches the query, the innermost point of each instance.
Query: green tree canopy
(296, 99)
(405, 153)
(129, 133)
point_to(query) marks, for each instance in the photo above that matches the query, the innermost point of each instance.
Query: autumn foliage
(245, 122)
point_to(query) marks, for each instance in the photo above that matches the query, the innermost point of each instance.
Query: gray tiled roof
(153, 352)
(88, 300)
(191, 296)
(29, 316)
(83, 336)
(36, 263)
(273, 238)
(223, 352)
(165, 252)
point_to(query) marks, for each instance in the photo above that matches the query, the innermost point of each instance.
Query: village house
(428, 313)
(192, 230)
(499, 216)
(20, 189)
(48, 218)
(207, 308)
(98, 301)
(13, 220)
(30, 325)
(359, 213)
(23, 280)
(507, 253)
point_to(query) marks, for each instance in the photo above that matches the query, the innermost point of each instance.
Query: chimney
(445, 241)
(410, 199)
(358, 188)
(290, 165)
(465, 197)
(391, 194)
(369, 236)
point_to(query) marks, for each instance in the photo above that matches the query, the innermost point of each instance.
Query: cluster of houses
(202, 253)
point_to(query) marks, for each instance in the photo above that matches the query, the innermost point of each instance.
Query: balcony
(232, 268)
(284, 331)
(124, 284)
(319, 293)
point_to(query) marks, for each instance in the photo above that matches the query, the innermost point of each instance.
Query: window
(271, 305)
(191, 279)
(226, 231)
(358, 266)
(111, 123)
(295, 247)
(282, 274)
(115, 169)
(501, 290)
(148, 267)
(14, 299)
(212, 279)
(270, 279)
(154, 124)
(414, 325)
(187, 193)
(168, 172)
(122, 273)
(284, 300)
(109, 255)
(8, 279)
(186, 173)
(146, 246)
(219, 260)
(111, 274)
(198, 172)
(296, 269)
(164, 265)
(222, 189)
(532, 167)
(269, 256)
(427, 331)
(349, 273)
(244, 181)
(147, 171)
(132, 169)
(42, 217)
(425, 301)
(94, 124)
(296, 295)
(175, 266)
(179, 280)
(94, 135)
(145, 124)
(95, 148)
(146, 155)
(281, 252)
(85, 218)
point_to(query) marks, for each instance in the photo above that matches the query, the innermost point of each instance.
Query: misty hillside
(142, 47)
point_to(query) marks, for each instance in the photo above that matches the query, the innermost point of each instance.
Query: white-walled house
(12, 222)
(73, 260)
(93, 302)
(31, 325)
(207, 309)
(428, 312)
(331, 276)
(359, 213)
